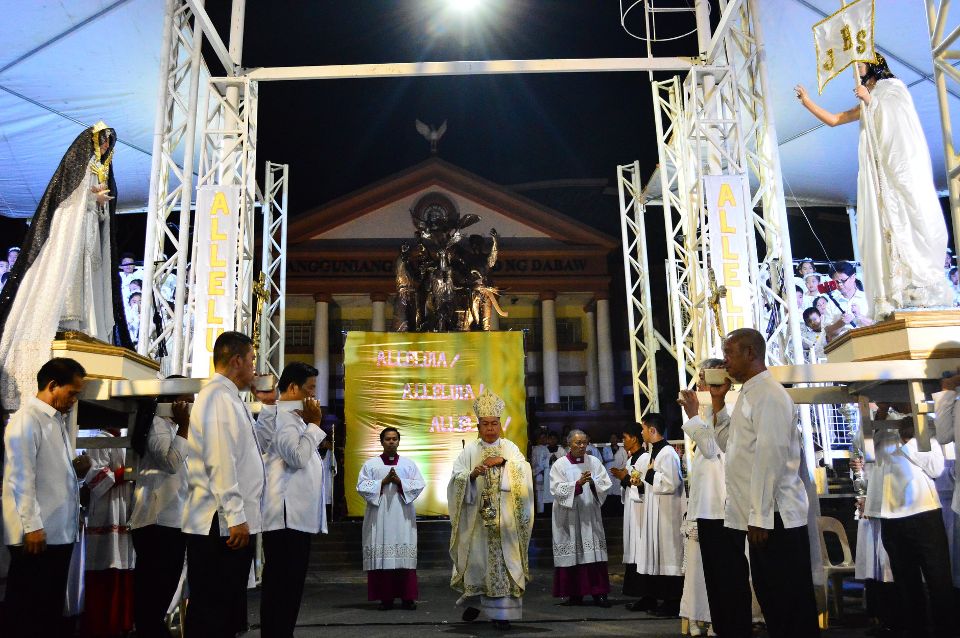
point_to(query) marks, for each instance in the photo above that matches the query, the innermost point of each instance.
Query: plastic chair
(835, 573)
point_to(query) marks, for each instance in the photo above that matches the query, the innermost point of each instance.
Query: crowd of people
(834, 302)
(741, 546)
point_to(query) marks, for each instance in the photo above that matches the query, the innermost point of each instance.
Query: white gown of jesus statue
(901, 232)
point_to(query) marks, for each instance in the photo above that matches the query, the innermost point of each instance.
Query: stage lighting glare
(464, 6)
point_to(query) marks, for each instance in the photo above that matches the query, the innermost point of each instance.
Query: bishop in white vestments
(390, 485)
(580, 484)
(490, 497)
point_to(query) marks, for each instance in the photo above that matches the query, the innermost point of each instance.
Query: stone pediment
(381, 211)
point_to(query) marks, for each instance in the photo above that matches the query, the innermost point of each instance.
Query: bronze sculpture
(443, 282)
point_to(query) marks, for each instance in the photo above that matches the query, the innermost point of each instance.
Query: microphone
(827, 286)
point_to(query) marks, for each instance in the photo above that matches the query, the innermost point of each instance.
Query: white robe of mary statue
(902, 235)
(65, 276)
(390, 520)
(491, 520)
(578, 535)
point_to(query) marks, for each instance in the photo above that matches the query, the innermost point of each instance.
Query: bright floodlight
(464, 5)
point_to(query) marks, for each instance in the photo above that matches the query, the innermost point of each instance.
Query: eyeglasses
(844, 281)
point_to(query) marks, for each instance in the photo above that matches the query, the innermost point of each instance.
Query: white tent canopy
(66, 65)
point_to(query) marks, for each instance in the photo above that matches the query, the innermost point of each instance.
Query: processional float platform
(906, 335)
(102, 360)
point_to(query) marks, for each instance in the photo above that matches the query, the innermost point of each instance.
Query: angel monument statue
(67, 275)
(443, 281)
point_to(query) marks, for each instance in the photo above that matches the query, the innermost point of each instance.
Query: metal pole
(778, 216)
(186, 199)
(937, 20)
(159, 129)
(852, 216)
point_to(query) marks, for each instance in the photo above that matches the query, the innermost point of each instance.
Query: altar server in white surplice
(661, 554)
(542, 462)
(579, 483)
(707, 496)
(632, 498)
(390, 484)
(291, 502)
(490, 497)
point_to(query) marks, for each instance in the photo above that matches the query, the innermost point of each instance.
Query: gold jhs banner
(424, 384)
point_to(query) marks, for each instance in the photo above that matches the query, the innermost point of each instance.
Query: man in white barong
(661, 553)
(225, 477)
(390, 485)
(948, 431)
(901, 230)
(490, 497)
(291, 502)
(580, 484)
(629, 478)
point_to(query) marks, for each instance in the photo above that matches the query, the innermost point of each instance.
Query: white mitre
(488, 405)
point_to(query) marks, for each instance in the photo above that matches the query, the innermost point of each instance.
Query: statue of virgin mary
(67, 276)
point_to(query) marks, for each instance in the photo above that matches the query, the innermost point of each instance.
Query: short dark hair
(139, 282)
(296, 372)
(230, 344)
(61, 370)
(655, 420)
(384, 431)
(799, 289)
(749, 337)
(632, 429)
(844, 268)
(809, 312)
(134, 294)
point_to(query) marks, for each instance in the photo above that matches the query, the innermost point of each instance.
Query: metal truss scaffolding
(744, 50)
(274, 266)
(644, 339)
(944, 51)
(228, 155)
(171, 191)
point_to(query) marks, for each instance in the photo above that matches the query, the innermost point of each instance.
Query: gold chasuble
(491, 518)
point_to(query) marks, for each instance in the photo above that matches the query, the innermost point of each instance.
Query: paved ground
(335, 605)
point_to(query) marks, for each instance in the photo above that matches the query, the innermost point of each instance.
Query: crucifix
(717, 293)
(263, 295)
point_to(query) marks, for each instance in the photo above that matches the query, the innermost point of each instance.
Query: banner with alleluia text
(728, 200)
(424, 384)
(215, 268)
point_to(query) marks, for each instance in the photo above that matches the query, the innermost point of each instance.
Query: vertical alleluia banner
(424, 384)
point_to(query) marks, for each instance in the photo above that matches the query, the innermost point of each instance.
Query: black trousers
(36, 591)
(726, 574)
(160, 552)
(217, 576)
(286, 553)
(783, 581)
(917, 547)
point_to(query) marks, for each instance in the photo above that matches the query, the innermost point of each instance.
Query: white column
(321, 346)
(590, 356)
(379, 323)
(605, 354)
(549, 363)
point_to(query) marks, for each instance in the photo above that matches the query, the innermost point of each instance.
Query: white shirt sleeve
(947, 416)
(293, 446)
(22, 441)
(932, 462)
(703, 435)
(776, 425)
(221, 445)
(166, 449)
